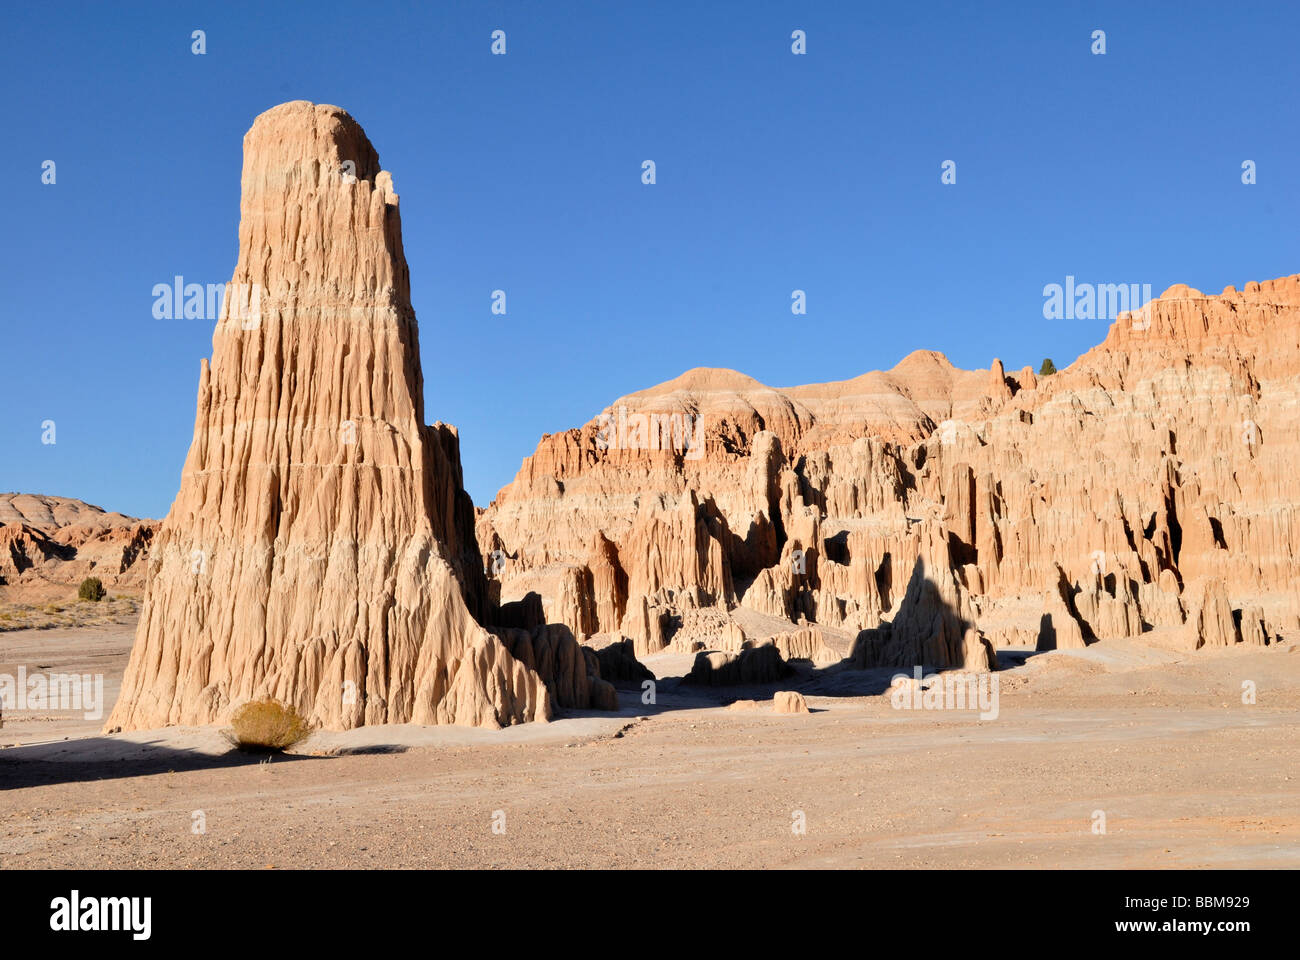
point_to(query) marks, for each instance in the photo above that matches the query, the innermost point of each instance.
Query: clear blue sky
(775, 172)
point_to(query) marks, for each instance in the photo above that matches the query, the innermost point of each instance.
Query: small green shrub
(92, 588)
(267, 726)
(1047, 369)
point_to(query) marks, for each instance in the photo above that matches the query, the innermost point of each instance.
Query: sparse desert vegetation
(92, 589)
(48, 615)
(267, 726)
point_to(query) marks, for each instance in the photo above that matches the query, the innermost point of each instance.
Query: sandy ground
(1156, 741)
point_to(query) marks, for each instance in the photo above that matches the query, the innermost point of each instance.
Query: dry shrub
(92, 588)
(267, 726)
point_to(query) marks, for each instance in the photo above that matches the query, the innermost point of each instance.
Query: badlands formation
(322, 551)
(925, 514)
(51, 544)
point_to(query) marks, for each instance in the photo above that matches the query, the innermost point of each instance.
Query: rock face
(1210, 622)
(762, 664)
(1059, 627)
(805, 643)
(1090, 503)
(320, 550)
(935, 624)
(618, 663)
(48, 545)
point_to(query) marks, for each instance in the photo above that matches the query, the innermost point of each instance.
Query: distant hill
(48, 545)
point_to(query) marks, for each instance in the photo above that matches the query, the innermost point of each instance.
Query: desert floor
(1158, 742)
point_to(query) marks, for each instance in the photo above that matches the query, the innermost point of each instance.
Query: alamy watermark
(55, 691)
(179, 300)
(1093, 301)
(946, 691)
(679, 432)
(75, 913)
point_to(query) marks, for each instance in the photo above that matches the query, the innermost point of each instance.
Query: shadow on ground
(106, 758)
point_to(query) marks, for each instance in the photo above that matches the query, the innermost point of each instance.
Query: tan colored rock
(549, 650)
(806, 643)
(1060, 628)
(1109, 607)
(1158, 458)
(678, 549)
(732, 639)
(608, 584)
(935, 625)
(48, 545)
(1251, 627)
(1284, 629)
(575, 603)
(789, 701)
(320, 550)
(1209, 617)
(706, 628)
(646, 624)
(1159, 601)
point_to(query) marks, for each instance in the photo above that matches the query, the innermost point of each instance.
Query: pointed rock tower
(320, 549)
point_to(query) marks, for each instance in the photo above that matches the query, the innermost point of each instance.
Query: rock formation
(805, 643)
(1250, 626)
(321, 550)
(1089, 503)
(789, 701)
(48, 545)
(1059, 627)
(1210, 622)
(762, 664)
(618, 663)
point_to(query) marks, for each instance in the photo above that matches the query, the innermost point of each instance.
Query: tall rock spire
(320, 549)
